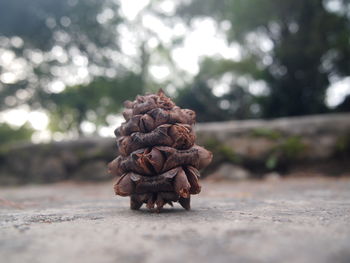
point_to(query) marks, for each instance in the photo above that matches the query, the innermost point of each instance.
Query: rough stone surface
(288, 220)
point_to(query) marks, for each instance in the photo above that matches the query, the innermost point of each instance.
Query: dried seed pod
(158, 161)
(133, 125)
(196, 156)
(154, 118)
(175, 115)
(142, 104)
(179, 136)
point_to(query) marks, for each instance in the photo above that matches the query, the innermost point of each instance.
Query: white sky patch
(36, 56)
(204, 40)
(337, 92)
(127, 41)
(115, 120)
(88, 127)
(56, 86)
(15, 117)
(131, 8)
(58, 136)
(8, 78)
(222, 86)
(186, 60)
(334, 6)
(16, 42)
(106, 131)
(258, 88)
(41, 136)
(157, 26)
(167, 7)
(159, 72)
(18, 117)
(266, 44)
(80, 60)
(58, 53)
(15, 68)
(39, 120)
(105, 15)
(6, 57)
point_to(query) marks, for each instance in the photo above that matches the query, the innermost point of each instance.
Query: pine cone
(159, 161)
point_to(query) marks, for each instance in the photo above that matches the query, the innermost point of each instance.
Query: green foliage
(221, 151)
(288, 149)
(343, 144)
(271, 162)
(92, 102)
(200, 99)
(71, 27)
(292, 48)
(10, 135)
(304, 44)
(292, 147)
(266, 133)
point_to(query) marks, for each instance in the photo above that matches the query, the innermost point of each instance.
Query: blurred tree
(292, 48)
(54, 44)
(92, 102)
(45, 40)
(65, 57)
(57, 45)
(231, 101)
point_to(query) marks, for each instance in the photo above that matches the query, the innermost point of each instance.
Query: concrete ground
(290, 220)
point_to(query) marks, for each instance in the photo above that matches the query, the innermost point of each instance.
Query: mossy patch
(343, 144)
(288, 150)
(266, 133)
(221, 151)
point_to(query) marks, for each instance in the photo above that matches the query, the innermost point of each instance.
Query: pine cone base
(158, 159)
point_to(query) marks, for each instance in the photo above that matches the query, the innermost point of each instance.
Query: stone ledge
(255, 144)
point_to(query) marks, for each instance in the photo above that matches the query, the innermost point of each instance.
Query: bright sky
(205, 40)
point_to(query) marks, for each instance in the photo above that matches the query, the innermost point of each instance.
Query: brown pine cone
(159, 159)
(143, 104)
(158, 162)
(179, 136)
(154, 118)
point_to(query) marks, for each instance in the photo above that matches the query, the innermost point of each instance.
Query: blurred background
(66, 67)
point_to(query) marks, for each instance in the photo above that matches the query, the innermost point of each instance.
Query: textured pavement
(291, 220)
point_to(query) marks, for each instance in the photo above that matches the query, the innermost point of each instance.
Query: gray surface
(294, 220)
